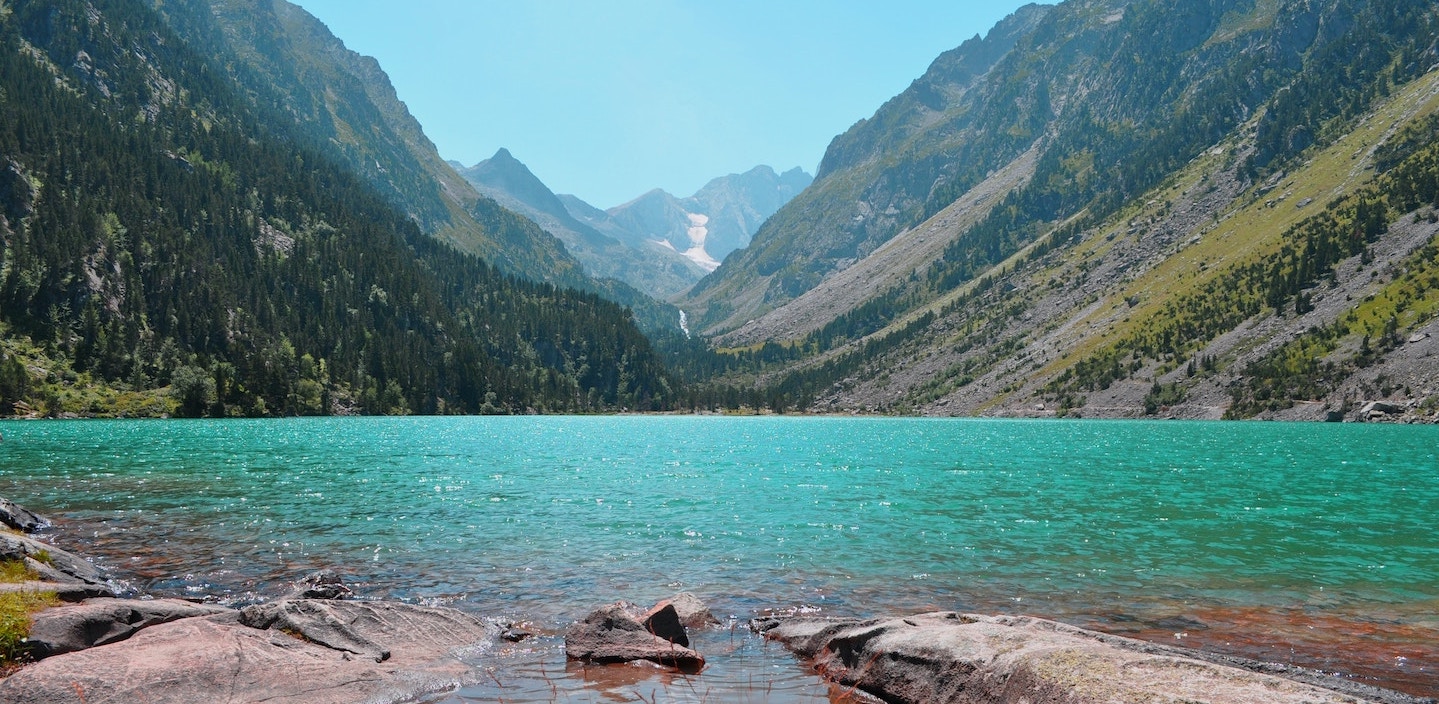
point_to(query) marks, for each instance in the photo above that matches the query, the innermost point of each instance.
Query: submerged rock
(103, 621)
(961, 658)
(219, 658)
(324, 584)
(617, 633)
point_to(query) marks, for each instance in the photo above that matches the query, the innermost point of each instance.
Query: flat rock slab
(219, 659)
(970, 659)
(66, 629)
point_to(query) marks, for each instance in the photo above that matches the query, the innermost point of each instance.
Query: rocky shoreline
(317, 645)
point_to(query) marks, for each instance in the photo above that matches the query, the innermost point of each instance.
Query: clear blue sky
(607, 99)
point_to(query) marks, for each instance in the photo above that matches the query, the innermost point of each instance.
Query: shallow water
(1293, 542)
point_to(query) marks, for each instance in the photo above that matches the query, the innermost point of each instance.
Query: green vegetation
(15, 610)
(1131, 136)
(1162, 396)
(187, 227)
(1308, 368)
(16, 571)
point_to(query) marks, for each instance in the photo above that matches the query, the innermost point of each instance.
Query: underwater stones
(618, 633)
(324, 584)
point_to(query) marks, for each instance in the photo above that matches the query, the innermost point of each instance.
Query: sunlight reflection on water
(1121, 525)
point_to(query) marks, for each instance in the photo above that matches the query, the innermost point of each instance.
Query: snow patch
(698, 255)
(697, 233)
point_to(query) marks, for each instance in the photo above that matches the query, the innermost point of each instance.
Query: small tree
(194, 389)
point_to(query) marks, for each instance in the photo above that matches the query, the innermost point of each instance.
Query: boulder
(218, 658)
(102, 621)
(693, 612)
(20, 518)
(1377, 407)
(961, 658)
(617, 633)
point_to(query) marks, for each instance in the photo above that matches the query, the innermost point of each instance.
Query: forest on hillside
(170, 246)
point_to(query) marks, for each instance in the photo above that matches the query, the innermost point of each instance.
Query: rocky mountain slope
(658, 243)
(1113, 208)
(942, 135)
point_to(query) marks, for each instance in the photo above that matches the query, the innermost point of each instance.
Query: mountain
(286, 59)
(650, 268)
(657, 243)
(717, 220)
(181, 234)
(344, 105)
(1116, 208)
(946, 131)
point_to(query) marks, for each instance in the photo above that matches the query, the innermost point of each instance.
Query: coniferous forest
(182, 249)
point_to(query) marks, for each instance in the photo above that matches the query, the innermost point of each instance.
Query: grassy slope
(996, 352)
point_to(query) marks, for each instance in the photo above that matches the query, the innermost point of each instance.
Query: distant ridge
(657, 243)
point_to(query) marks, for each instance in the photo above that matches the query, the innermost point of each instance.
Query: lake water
(1307, 543)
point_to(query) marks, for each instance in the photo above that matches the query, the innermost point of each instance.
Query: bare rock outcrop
(969, 659)
(57, 566)
(103, 621)
(20, 518)
(221, 659)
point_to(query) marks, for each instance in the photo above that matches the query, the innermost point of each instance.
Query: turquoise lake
(1306, 543)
